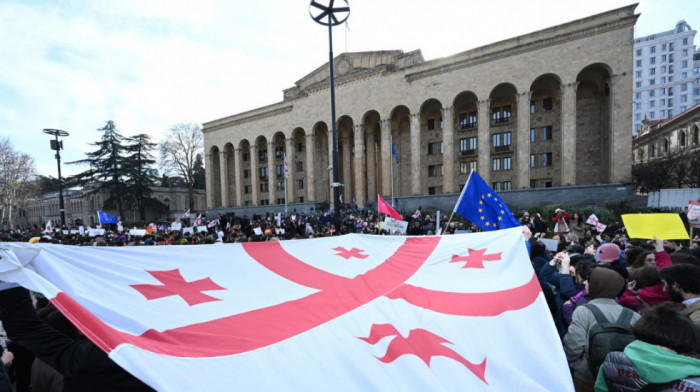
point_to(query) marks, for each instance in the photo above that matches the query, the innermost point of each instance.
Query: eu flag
(393, 152)
(106, 218)
(483, 207)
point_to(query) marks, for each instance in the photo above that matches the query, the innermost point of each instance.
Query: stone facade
(546, 109)
(83, 202)
(656, 139)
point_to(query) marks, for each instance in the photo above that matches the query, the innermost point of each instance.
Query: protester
(682, 284)
(609, 257)
(663, 358)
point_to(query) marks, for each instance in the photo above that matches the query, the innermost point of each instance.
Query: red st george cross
(476, 258)
(347, 254)
(175, 284)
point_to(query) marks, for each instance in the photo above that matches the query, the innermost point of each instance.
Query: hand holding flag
(483, 207)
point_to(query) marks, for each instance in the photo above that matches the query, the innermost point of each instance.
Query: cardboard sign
(550, 243)
(187, 230)
(394, 226)
(201, 229)
(664, 226)
(96, 232)
(140, 232)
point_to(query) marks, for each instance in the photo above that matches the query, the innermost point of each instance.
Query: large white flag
(352, 313)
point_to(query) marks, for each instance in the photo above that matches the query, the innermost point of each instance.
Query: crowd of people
(590, 279)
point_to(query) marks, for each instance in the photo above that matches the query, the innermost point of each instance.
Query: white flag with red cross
(353, 312)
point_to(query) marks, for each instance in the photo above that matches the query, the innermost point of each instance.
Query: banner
(354, 312)
(694, 214)
(394, 226)
(176, 226)
(140, 232)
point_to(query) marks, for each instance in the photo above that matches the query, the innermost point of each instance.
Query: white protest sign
(140, 232)
(201, 228)
(394, 226)
(96, 232)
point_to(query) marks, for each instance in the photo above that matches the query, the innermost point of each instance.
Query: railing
(501, 120)
(467, 152)
(505, 148)
(470, 125)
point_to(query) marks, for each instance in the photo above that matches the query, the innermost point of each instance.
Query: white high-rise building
(665, 76)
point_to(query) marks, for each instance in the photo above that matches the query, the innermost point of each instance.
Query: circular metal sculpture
(330, 14)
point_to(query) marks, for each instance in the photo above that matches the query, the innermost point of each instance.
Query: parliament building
(547, 109)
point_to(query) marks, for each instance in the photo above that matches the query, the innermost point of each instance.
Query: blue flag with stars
(483, 207)
(106, 218)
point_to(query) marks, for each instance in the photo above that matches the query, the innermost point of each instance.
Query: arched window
(666, 146)
(652, 151)
(696, 136)
(681, 139)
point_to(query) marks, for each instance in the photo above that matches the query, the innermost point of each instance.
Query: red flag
(385, 208)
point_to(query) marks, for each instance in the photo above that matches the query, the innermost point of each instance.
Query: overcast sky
(148, 64)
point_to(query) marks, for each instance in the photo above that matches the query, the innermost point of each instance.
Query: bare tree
(178, 154)
(17, 173)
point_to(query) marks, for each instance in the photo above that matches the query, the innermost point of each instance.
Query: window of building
(663, 69)
(246, 189)
(684, 75)
(547, 182)
(533, 107)
(474, 164)
(463, 167)
(651, 104)
(496, 186)
(501, 114)
(300, 184)
(670, 91)
(435, 171)
(496, 164)
(681, 139)
(652, 82)
(533, 183)
(652, 71)
(547, 104)
(473, 143)
(279, 170)
(663, 47)
(532, 160)
(263, 173)
(637, 117)
(670, 71)
(684, 87)
(652, 60)
(496, 139)
(507, 139)
(533, 135)
(651, 93)
(280, 200)
(684, 98)
(262, 155)
(638, 64)
(652, 49)
(244, 156)
(264, 187)
(670, 113)
(685, 41)
(663, 79)
(547, 159)
(637, 95)
(662, 113)
(246, 173)
(637, 127)
(651, 115)
(434, 190)
(547, 133)
(670, 46)
(300, 147)
(264, 202)
(279, 152)
(435, 148)
(666, 145)
(670, 104)
(639, 52)
(431, 124)
(279, 185)
(507, 163)
(507, 185)
(664, 58)
(638, 74)
(684, 64)
(638, 84)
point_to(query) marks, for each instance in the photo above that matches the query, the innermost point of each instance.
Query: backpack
(605, 336)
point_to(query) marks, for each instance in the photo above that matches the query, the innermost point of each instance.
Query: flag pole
(391, 164)
(458, 200)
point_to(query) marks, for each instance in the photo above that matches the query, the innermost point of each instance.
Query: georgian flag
(48, 228)
(353, 312)
(186, 214)
(212, 223)
(593, 220)
(416, 214)
(198, 221)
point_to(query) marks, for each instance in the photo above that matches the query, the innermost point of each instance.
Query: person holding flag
(482, 206)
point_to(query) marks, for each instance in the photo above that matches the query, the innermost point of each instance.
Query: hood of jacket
(657, 365)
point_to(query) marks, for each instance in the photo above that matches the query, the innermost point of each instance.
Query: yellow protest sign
(664, 226)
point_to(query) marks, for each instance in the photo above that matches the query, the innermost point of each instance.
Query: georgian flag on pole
(186, 214)
(48, 228)
(352, 313)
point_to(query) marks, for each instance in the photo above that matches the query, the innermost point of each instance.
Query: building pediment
(350, 65)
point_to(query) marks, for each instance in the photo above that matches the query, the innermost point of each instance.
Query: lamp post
(57, 146)
(331, 15)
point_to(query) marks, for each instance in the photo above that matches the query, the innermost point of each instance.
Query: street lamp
(58, 145)
(331, 15)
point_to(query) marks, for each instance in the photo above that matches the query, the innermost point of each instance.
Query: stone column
(483, 144)
(210, 180)
(310, 167)
(238, 168)
(271, 173)
(522, 141)
(347, 188)
(619, 142)
(416, 170)
(254, 180)
(448, 156)
(360, 178)
(386, 159)
(289, 150)
(223, 164)
(568, 133)
(371, 167)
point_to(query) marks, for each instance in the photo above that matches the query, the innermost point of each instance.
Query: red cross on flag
(352, 313)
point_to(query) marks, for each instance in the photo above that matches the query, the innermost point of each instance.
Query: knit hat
(605, 283)
(608, 253)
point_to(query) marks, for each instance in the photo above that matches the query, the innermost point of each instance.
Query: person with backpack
(600, 326)
(663, 358)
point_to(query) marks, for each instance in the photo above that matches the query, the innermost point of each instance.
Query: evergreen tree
(107, 165)
(199, 176)
(139, 172)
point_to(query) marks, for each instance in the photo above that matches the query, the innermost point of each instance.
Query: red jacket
(567, 217)
(652, 295)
